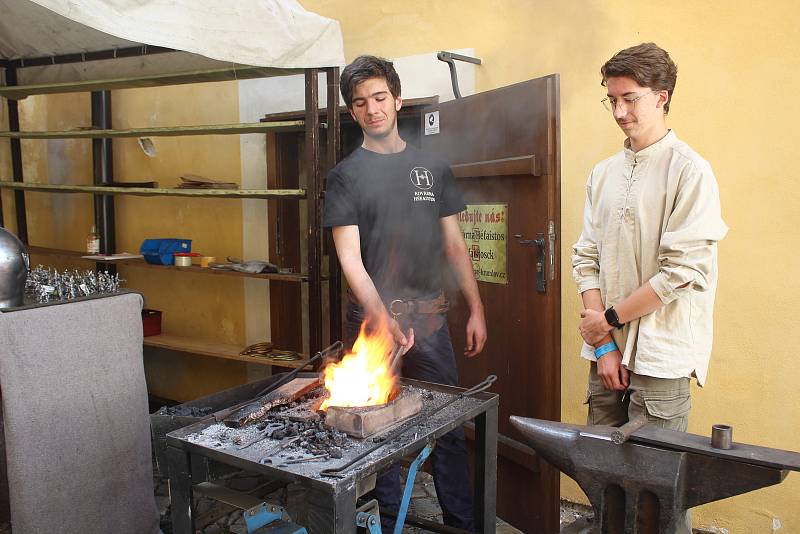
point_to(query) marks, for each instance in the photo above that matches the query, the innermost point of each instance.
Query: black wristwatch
(612, 318)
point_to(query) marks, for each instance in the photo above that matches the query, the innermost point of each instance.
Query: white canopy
(208, 33)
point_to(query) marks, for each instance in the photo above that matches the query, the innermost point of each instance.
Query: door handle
(541, 246)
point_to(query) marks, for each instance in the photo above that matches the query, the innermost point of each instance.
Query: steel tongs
(334, 350)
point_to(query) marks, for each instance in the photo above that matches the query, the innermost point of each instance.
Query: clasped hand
(594, 326)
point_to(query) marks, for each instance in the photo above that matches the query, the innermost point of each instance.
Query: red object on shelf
(151, 322)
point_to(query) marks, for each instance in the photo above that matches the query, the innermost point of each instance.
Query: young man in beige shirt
(646, 261)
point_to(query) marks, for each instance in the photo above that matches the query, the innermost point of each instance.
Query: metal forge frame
(331, 501)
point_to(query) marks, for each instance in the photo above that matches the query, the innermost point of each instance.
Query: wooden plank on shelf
(45, 251)
(234, 72)
(292, 277)
(518, 165)
(153, 191)
(162, 131)
(411, 107)
(215, 349)
(138, 262)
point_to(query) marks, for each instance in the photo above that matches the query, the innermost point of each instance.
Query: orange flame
(363, 377)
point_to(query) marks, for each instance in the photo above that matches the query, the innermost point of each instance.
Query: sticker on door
(432, 123)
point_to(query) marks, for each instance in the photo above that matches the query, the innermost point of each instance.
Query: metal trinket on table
(48, 284)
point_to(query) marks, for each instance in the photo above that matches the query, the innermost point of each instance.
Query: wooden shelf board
(235, 72)
(166, 131)
(138, 262)
(215, 349)
(411, 107)
(154, 191)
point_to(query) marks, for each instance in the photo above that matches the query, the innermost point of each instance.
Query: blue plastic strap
(604, 349)
(412, 474)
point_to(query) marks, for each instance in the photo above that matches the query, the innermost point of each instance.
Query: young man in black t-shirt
(393, 209)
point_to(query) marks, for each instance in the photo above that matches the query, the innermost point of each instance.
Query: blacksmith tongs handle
(336, 348)
(481, 386)
(288, 377)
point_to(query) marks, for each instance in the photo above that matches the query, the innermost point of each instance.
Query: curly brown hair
(363, 68)
(648, 64)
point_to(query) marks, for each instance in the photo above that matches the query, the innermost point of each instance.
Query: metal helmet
(13, 269)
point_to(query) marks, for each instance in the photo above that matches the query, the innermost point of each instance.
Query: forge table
(331, 501)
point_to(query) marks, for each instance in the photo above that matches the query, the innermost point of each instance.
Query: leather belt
(399, 307)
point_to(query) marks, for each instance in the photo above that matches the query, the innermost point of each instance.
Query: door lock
(541, 246)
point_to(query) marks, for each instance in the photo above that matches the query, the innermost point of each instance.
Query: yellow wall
(197, 305)
(736, 103)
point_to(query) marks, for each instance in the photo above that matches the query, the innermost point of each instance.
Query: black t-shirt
(396, 200)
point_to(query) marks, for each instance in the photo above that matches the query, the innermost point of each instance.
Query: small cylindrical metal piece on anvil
(721, 436)
(622, 434)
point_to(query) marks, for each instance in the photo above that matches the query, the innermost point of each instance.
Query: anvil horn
(552, 441)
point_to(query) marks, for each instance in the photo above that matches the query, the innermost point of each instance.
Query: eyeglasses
(627, 102)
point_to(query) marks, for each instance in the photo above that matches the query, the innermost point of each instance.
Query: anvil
(645, 486)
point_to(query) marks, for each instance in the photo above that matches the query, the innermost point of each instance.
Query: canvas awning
(207, 35)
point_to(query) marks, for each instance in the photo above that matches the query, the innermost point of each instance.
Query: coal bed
(294, 437)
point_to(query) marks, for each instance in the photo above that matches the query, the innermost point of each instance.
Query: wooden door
(503, 146)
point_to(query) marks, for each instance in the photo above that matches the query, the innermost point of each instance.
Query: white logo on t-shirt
(421, 177)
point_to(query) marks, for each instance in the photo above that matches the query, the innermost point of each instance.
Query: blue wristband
(604, 349)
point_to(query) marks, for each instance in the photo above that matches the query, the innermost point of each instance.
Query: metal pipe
(449, 57)
(81, 57)
(722, 436)
(16, 160)
(103, 173)
(432, 526)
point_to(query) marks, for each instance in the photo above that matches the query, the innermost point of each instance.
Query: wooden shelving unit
(101, 134)
(140, 263)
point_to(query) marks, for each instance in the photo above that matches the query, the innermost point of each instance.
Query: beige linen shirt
(654, 215)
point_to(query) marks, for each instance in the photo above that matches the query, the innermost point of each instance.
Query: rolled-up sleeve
(585, 253)
(687, 250)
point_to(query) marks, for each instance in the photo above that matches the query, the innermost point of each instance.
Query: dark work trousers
(430, 359)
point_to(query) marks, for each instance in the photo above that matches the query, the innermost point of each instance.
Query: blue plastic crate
(161, 251)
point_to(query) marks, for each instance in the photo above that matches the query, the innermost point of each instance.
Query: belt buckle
(395, 314)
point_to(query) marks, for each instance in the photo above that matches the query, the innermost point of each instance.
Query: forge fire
(366, 376)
